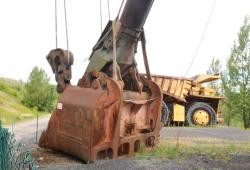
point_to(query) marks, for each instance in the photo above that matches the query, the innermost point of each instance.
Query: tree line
(235, 82)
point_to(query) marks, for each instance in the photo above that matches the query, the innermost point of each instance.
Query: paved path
(213, 134)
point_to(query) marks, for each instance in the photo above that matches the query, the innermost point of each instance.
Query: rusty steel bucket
(105, 117)
(94, 124)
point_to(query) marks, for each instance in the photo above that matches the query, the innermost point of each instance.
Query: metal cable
(202, 37)
(120, 10)
(66, 28)
(108, 9)
(114, 32)
(100, 4)
(56, 23)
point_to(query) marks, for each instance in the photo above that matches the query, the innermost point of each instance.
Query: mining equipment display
(111, 112)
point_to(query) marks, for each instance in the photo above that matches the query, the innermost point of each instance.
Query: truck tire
(165, 114)
(201, 114)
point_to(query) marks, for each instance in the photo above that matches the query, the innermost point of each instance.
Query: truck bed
(176, 87)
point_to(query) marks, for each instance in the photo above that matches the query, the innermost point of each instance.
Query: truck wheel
(165, 114)
(201, 114)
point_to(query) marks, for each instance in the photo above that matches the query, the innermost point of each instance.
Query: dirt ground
(63, 162)
(48, 159)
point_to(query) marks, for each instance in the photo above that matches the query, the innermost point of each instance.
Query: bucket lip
(141, 101)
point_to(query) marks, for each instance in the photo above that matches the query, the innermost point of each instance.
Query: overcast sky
(173, 31)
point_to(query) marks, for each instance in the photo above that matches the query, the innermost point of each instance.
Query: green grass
(237, 122)
(11, 87)
(11, 108)
(167, 150)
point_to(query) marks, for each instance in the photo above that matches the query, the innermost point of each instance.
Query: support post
(145, 57)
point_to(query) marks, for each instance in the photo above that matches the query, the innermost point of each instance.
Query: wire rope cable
(66, 28)
(201, 40)
(114, 34)
(108, 9)
(100, 6)
(56, 39)
(120, 10)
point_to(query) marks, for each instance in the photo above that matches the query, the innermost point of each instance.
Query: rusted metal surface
(96, 124)
(103, 117)
(61, 63)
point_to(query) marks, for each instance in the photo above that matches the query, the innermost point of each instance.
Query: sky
(173, 31)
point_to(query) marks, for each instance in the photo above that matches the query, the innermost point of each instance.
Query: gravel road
(215, 135)
(25, 133)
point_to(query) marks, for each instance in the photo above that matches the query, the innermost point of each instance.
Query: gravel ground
(47, 159)
(239, 162)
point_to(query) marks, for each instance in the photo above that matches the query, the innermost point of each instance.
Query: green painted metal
(4, 135)
(13, 155)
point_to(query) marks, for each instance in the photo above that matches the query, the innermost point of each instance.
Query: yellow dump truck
(186, 101)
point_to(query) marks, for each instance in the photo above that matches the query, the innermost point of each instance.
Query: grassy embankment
(11, 108)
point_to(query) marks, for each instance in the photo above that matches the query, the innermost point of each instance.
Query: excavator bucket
(94, 124)
(111, 112)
